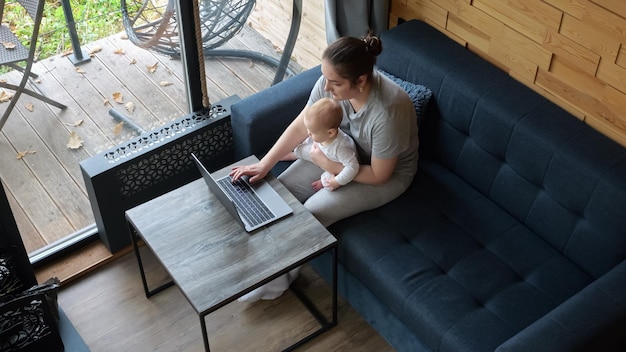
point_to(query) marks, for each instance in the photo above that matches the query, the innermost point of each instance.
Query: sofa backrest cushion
(254, 134)
(558, 176)
(419, 94)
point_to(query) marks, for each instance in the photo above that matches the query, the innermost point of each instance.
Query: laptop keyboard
(249, 204)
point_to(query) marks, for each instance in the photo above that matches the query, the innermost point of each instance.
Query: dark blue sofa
(513, 234)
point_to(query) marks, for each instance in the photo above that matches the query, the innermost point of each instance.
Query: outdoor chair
(13, 52)
(153, 25)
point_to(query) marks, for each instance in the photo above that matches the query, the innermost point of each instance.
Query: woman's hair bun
(373, 45)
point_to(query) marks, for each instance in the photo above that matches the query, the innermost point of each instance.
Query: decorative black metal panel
(163, 134)
(26, 324)
(141, 174)
(152, 164)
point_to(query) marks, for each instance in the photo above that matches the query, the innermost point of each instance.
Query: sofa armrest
(259, 119)
(592, 320)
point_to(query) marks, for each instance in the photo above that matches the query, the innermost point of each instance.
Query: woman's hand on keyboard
(256, 172)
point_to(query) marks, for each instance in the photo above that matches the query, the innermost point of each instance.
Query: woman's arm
(378, 172)
(320, 159)
(293, 135)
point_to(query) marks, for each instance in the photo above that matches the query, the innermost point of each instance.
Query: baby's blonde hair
(326, 112)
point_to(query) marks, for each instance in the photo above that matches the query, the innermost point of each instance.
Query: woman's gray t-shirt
(385, 127)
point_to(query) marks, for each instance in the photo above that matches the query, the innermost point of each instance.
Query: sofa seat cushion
(467, 268)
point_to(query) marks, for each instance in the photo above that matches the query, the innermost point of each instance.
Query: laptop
(252, 205)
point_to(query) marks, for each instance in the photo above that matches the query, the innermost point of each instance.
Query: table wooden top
(210, 257)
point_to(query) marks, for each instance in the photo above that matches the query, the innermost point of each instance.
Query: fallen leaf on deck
(5, 97)
(130, 106)
(30, 107)
(75, 141)
(67, 52)
(118, 128)
(119, 51)
(117, 96)
(106, 101)
(76, 123)
(152, 68)
(21, 155)
(124, 36)
(96, 49)
(165, 83)
(8, 45)
(80, 70)
(133, 61)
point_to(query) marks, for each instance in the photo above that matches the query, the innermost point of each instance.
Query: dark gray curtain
(355, 17)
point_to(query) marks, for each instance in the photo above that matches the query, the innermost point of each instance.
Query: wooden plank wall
(571, 51)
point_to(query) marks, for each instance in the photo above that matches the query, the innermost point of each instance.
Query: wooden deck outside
(41, 173)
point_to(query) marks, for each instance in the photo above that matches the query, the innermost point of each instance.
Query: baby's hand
(317, 155)
(329, 182)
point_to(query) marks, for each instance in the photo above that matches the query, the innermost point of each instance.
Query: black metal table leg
(321, 319)
(149, 293)
(205, 335)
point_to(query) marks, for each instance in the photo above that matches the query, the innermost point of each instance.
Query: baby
(322, 121)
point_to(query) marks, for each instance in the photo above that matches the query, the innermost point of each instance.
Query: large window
(121, 91)
(114, 90)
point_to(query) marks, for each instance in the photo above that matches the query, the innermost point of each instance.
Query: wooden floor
(111, 313)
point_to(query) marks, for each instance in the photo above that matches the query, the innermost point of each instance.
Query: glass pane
(126, 88)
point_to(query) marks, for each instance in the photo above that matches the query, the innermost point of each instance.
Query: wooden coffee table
(213, 261)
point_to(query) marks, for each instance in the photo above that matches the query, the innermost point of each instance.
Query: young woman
(381, 119)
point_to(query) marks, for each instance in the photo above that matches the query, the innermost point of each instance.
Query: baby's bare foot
(317, 185)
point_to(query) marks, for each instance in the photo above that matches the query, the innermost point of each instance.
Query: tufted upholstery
(516, 208)
(557, 176)
(512, 235)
